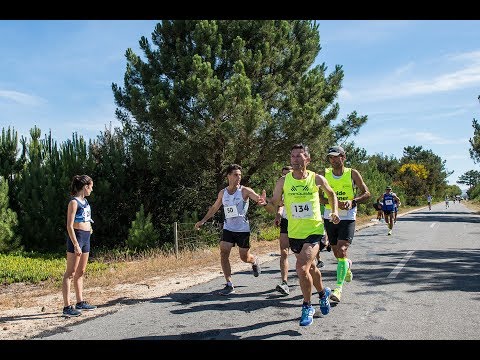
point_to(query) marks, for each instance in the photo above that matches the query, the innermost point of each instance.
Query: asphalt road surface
(421, 283)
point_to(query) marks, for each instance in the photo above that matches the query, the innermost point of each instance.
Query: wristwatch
(354, 203)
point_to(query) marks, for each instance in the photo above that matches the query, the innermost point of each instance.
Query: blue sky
(418, 81)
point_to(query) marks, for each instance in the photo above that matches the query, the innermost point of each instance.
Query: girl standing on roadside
(79, 228)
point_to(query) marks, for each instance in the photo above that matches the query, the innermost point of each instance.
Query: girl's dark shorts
(242, 239)
(83, 238)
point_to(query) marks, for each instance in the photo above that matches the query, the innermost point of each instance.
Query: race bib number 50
(230, 211)
(302, 210)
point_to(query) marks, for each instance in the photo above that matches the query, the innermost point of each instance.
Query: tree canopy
(475, 142)
(207, 93)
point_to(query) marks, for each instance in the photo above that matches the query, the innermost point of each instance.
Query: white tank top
(235, 211)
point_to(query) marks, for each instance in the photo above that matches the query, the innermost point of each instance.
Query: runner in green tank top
(305, 225)
(345, 182)
(282, 222)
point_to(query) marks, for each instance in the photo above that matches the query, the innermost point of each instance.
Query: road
(423, 283)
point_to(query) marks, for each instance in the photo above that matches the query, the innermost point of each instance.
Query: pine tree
(207, 93)
(9, 241)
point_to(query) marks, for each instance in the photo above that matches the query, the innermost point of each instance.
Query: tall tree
(475, 142)
(9, 240)
(215, 92)
(386, 164)
(413, 177)
(42, 195)
(436, 182)
(120, 183)
(10, 163)
(470, 178)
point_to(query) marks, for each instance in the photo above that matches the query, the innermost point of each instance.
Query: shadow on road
(456, 217)
(456, 270)
(229, 334)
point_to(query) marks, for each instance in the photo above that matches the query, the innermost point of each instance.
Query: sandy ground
(42, 314)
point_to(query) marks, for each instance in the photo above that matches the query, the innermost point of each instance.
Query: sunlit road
(423, 282)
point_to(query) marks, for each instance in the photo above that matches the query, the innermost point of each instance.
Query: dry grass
(132, 272)
(472, 205)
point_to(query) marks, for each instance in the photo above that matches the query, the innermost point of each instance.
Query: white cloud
(472, 56)
(432, 139)
(455, 157)
(388, 136)
(22, 98)
(92, 123)
(362, 32)
(344, 94)
(404, 69)
(469, 76)
(445, 114)
(397, 85)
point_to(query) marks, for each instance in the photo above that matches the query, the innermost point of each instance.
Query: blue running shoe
(256, 269)
(324, 302)
(69, 311)
(83, 305)
(307, 315)
(227, 290)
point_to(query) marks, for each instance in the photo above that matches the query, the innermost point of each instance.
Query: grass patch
(33, 268)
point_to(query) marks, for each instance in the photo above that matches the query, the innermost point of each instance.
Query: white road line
(432, 225)
(400, 265)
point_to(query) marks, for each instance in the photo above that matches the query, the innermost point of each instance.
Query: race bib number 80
(302, 210)
(230, 211)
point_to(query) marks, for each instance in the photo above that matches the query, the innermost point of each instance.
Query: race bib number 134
(302, 210)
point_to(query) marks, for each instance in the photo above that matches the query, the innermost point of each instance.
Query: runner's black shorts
(297, 244)
(344, 230)
(242, 239)
(283, 226)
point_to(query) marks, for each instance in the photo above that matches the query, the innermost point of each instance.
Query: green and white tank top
(343, 187)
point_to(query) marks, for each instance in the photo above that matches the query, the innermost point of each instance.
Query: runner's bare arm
(271, 205)
(250, 193)
(213, 209)
(362, 187)
(332, 197)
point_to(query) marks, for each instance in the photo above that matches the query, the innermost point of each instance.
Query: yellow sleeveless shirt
(302, 204)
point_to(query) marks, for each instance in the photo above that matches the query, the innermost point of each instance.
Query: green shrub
(474, 193)
(142, 234)
(269, 233)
